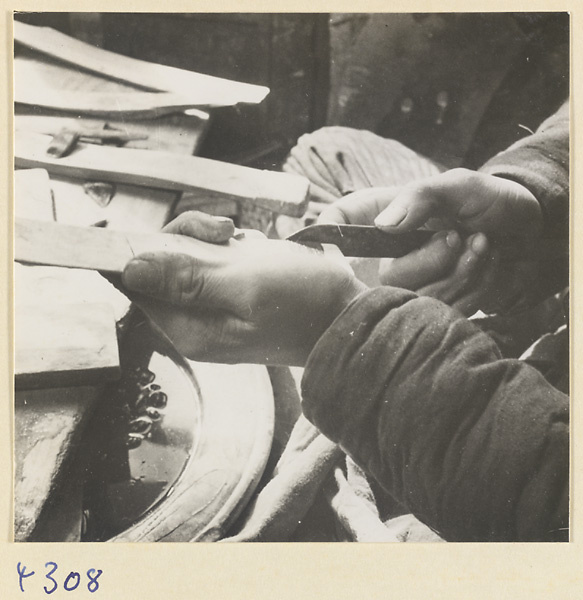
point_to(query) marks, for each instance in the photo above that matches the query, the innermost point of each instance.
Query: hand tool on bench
(65, 141)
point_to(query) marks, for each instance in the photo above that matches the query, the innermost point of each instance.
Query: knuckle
(186, 282)
(460, 174)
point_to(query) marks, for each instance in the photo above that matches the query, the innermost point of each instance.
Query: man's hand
(263, 301)
(458, 265)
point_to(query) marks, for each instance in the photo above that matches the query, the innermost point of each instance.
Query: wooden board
(32, 195)
(62, 345)
(40, 198)
(127, 211)
(61, 520)
(30, 89)
(56, 286)
(173, 133)
(48, 424)
(40, 243)
(137, 105)
(202, 90)
(278, 192)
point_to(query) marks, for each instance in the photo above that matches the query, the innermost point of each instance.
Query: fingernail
(391, 216)
(479, 244)
(453, 239)
(142, 275)
(226, 225)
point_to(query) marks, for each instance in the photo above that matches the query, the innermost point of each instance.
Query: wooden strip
(127, 211)
(47, 426)
(46, 86)
(278, 192)
(202, 89)
(32, 195)
(43, 243)
(62, 345)
(139, 105)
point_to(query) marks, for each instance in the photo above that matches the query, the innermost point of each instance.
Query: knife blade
(361, 240)
(367, 241)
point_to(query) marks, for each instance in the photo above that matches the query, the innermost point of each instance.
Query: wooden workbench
(49, 422)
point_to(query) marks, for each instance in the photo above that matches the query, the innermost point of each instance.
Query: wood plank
(174, 133)
(48, 424)
(278, 192)
(57, 286)
(137, 105)
(46, 72)
(41, 243)
(32, 195)
(204, 90)
(128, 210)
(61, 519)
(31, 88)
(63, 345)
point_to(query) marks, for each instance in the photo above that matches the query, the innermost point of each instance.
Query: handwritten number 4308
(72, 581)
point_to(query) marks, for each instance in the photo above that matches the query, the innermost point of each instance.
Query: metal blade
(369, 242)
(362, 240)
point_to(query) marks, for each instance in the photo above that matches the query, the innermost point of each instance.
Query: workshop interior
(124, 122)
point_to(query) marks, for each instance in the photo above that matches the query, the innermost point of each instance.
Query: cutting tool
(370, 242)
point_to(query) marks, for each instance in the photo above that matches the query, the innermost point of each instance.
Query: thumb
(475, 201)
(202, 226)
(412, 207)
(359, 208)
(176, 279)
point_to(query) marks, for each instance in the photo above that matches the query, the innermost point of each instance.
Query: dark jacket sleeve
(540, 162)
(475, 446)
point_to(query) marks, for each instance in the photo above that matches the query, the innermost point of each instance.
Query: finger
(476, 201)
(359, 208)
(484, 290)
(430, 263)
(202, 226)
(513, 287)
(495, 204)
(467, 269)
(176, 279)
(412, 207)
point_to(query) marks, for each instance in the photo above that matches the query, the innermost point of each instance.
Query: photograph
(291, 277)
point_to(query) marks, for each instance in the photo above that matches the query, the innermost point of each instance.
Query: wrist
(347, 289)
